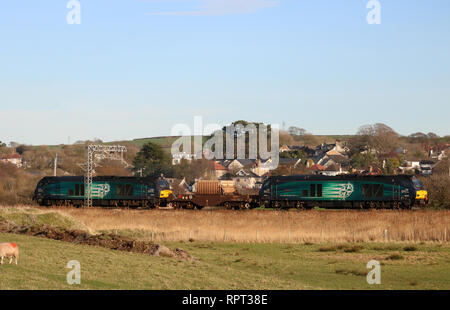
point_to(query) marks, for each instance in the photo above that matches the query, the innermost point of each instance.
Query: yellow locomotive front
(164, 190)
(421, 193)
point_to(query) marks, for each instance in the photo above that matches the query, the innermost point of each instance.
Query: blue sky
(136, 68)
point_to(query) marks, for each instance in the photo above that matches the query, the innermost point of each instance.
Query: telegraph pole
(55, 165)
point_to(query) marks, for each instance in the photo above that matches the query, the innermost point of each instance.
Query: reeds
(271, 226)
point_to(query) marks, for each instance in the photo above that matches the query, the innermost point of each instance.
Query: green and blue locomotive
(107, 191)
(343, 191)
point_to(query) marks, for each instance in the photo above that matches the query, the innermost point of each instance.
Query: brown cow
(10, 250)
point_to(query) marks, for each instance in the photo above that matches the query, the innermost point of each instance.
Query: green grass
(226, 266)
(27, 216)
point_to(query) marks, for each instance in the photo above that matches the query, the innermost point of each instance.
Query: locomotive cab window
(313, 190)
(316, 190)
(124, 190)
(79, 190)
(319, 190)
(372, 190)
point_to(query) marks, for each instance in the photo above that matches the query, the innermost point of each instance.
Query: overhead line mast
(96, 151)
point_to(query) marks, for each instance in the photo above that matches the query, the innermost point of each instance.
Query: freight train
(279, 192)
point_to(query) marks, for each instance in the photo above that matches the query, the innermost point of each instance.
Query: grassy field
(270, 226)
(233, 264)
(228, 266)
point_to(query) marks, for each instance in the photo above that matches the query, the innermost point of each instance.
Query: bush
(395, 257)
(16, 185)
(410, 249)
(438, 187)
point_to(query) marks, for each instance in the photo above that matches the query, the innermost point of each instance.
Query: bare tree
(296, 131)
(378, 136)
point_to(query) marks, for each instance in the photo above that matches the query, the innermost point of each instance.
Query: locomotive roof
(98, 178)
(340, 177)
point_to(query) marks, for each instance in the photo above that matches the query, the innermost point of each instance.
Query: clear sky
(135, 68)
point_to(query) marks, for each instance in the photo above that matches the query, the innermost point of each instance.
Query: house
(426, 167)
(261, 167)
(179, 186)
(219, 170)
(330, 158)
(372, 170)
(316, 169)
(437, 155)
(176, 158)
(410, 166)
(332, 170)
(14, 159)
(324, 148)
(237, 164)
(246, 179)
(285, 148)
(298, 148)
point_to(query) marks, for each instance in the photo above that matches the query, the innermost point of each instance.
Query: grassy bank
(228, 266)
(330, 263)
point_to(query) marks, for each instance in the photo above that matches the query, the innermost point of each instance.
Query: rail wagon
(108, 191)
(345, 191)
(210, 193)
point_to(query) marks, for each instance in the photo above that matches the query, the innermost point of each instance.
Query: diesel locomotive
(343, 191)
(107, 191)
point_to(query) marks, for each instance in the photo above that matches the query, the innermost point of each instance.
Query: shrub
(438, 187)
(410, 249)
(394, 257)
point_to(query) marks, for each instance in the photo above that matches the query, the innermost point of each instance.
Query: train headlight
(165, 194)
(422, 195)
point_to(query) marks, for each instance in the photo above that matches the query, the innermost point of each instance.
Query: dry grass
(270, 226)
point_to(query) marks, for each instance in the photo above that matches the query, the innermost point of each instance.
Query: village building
(14, 159)
(247, 179)
(219, 170)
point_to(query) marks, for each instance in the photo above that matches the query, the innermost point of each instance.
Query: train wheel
(299, 206)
